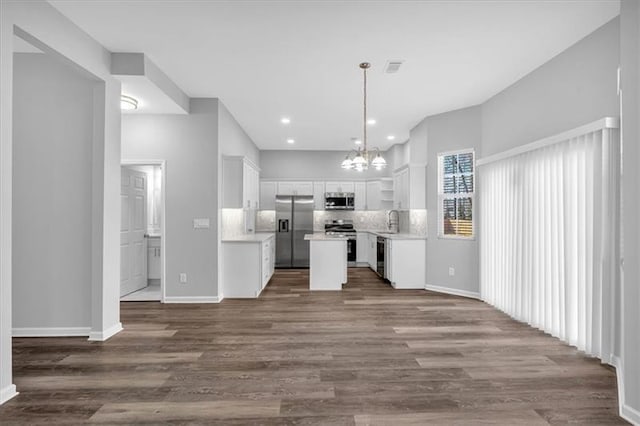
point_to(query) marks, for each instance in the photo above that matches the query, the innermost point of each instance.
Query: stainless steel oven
(339, 201)
(345, 229)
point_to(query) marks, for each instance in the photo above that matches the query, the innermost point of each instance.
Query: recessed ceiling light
(357, 142)
(290, 140)
(128, 102)
(390, 137)
(371, 121)
(285, 120)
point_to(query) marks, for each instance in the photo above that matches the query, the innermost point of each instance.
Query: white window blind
(456, 189)
(549, 237)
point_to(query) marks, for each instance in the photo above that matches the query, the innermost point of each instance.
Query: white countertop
(321, 236)
(394, 236)
(258, 237)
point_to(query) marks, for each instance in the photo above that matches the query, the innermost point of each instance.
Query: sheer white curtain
(549, 236)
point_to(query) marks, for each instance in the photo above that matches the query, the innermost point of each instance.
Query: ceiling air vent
(392, 67)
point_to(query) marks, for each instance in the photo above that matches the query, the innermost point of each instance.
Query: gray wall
(576, 87)
(189, 144)
(450, 131)
(233, 139)
(630, 76)
(321, 165)
(52, 133)
(57, 35)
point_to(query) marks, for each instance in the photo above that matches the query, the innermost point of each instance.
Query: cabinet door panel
(360, 201)
(340, 186)
(318, 195)
(373, 195)
(304, 188)
(268, 195)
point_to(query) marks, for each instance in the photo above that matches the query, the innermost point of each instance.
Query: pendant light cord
(364, 141)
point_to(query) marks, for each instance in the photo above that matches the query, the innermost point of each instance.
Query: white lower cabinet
(405, 262)
(362, 248)
(248, 266)
(153, 258)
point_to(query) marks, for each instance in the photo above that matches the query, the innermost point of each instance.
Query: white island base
(327, 263)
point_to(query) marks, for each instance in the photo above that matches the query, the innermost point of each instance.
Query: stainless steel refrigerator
(294, 219)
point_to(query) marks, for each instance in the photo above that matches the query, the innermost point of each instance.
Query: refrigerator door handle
(283, 225)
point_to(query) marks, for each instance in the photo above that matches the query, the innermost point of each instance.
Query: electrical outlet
(452, 271)
(183, 278)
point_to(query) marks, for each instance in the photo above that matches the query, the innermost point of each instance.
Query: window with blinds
(456, 194)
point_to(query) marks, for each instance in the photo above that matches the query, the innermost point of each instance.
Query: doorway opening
(142, 231)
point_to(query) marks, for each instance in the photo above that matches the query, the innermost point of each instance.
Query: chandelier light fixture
(360, 159)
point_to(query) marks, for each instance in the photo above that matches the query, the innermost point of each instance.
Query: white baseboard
(50, 331)
(626, 412)
(193, 299)
(452, 291)
(407, 286)
(7, 393)
(101, 336)
(629, 414)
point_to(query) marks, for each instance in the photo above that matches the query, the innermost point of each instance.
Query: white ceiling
(268, 59)
(151, 100)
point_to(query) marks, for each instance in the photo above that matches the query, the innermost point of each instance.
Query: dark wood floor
(367, 355)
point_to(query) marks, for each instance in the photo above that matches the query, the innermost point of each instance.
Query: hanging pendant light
(362, 157)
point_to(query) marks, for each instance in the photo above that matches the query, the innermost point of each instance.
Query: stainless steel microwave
(339, 201)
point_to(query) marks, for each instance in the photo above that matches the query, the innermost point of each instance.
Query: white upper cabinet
(360, 196)
(268, 190)
(295, 188)
(373, 195)
(339, 187)
(376, 194)
(409, 188)
(401, 189)
(318, 195)
(240, 183)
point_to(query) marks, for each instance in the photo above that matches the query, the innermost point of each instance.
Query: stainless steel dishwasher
(380, 257)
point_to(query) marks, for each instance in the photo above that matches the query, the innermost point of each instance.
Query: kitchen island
(327, 261)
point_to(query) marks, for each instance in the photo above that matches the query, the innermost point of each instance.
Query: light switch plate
(201, 223)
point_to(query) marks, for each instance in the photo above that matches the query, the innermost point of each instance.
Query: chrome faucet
(393, 221)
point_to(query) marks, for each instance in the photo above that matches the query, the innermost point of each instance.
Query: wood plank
(138, 359)
(152, 412)
(461, 418)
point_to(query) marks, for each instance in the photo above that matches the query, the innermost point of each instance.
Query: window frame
(444, 196)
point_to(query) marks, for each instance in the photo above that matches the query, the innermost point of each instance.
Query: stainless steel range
(344, 228)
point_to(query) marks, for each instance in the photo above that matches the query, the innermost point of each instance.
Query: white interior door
(133, 245)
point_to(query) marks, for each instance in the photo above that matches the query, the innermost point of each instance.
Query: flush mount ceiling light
(128, 102)
(291, 140)
(390, 137)
(362, 158)
(285, 120)
(371, 121)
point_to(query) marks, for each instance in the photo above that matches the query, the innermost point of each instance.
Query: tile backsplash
(411, 221)
(374, 220)
(266, 221)
(232, 223)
